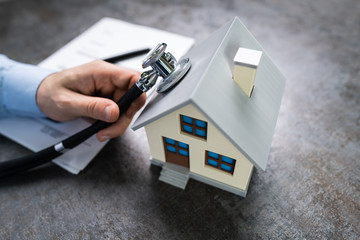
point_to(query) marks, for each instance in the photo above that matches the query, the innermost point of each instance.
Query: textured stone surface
(311, 187)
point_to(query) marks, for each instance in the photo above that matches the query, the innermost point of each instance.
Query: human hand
(90, 90)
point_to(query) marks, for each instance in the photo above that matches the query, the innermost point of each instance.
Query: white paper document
(108, 37)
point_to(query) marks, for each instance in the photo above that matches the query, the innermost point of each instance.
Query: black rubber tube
(27, 162)
(125, 56)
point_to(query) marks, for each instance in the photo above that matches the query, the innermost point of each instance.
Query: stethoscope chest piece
(166, 66)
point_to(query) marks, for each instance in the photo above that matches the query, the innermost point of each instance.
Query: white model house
(208, 127)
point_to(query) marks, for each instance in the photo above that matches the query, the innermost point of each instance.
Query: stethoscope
(163, 65)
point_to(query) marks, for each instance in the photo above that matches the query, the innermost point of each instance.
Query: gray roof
(248, 123)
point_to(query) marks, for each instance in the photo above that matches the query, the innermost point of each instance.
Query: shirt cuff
(20, 84)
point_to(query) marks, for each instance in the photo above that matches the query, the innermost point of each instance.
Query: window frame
(219, 161)
(194, 127)
(179, 152)
(178, 146)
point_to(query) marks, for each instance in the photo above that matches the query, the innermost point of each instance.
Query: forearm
(18, 86)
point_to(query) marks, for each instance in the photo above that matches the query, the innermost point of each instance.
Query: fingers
(99, 78)
(106, 75)
(90, 90)
(114, 130)
(97, 108)
(104, 109)
(124, 121)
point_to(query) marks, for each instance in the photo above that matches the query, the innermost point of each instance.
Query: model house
(217, 124)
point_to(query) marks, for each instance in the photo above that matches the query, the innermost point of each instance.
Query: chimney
(246, 62)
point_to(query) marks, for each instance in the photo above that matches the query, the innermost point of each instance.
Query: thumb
(96, 107)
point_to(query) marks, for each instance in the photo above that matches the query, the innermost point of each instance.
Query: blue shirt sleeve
(18, 86)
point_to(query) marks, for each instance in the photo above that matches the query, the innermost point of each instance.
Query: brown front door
(176, 152)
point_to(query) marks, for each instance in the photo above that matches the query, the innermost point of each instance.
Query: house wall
(169, 126)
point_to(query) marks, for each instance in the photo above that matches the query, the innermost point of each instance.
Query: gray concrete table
(311, 188)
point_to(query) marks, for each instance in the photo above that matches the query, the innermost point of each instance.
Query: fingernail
(104, 138)
(108, 113)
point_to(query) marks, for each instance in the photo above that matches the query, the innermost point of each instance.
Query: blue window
(171, 149)
(183, 152)
(213, 163)
(226, 167)
(170, 141)
(183, 145)
(187, 119)
(193, 126)
(188, 129)
(176, 147)
(220, 162)
(200, 123)
(200, 133)
(227, 160)
(213, 155)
